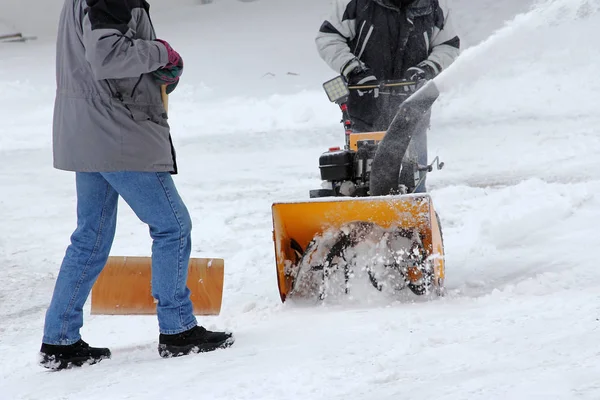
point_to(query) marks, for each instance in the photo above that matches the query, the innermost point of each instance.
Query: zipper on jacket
(411, 27)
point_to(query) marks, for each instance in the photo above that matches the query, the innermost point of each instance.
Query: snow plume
(557, 11)
(542, 60)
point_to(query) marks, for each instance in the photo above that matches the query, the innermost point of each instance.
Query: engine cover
(337, 165)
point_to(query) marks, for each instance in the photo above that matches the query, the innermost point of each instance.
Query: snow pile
(541, 61)
(529, 83)
(307, 110)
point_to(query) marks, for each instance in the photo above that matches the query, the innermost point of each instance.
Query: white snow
(6, 30)
(516, 125)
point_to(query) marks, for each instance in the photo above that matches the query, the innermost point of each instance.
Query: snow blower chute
(366, 220)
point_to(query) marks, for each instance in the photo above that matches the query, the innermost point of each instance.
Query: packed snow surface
(516, 125)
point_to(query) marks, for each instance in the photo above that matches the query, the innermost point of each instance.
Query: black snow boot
(195, 340)
(57, 357)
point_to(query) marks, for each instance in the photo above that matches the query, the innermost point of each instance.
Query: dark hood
(397, 4)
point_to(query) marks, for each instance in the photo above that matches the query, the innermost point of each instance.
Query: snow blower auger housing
(299, 229)
(366, 218)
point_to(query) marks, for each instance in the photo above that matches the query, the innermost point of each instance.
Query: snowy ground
(516, 125)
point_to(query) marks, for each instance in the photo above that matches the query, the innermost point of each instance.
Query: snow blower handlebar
(383, 85)
(338, 90)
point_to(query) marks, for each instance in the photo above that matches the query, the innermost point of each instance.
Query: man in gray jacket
(110, 128)
(369, 41)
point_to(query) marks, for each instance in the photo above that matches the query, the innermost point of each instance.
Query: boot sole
(169, 351)
(60, 364)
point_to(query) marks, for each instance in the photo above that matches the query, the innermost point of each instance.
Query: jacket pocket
(141, 97)
(122, 88)
(147, 112)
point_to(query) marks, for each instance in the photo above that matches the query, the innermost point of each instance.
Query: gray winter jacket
(108, 111)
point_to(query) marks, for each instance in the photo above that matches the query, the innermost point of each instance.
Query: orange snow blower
(366, 219)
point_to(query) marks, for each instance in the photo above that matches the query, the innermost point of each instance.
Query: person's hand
(175, 59)
(358, 73)
(170, 73)
(421, 72)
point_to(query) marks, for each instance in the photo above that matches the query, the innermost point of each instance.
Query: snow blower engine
(347, 171)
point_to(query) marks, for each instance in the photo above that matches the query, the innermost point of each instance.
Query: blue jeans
(155, 200)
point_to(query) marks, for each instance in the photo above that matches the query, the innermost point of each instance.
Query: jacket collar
(415, 5)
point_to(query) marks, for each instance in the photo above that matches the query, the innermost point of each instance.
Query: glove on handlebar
(357, 73)
(423, 71)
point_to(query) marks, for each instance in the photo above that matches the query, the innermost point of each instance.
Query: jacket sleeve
(445, 43)
(335, 34)
(110, 48)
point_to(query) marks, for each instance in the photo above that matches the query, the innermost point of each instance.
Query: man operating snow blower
(388, 235)
(373, 41)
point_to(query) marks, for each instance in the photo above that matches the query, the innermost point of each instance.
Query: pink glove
(175, 59)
